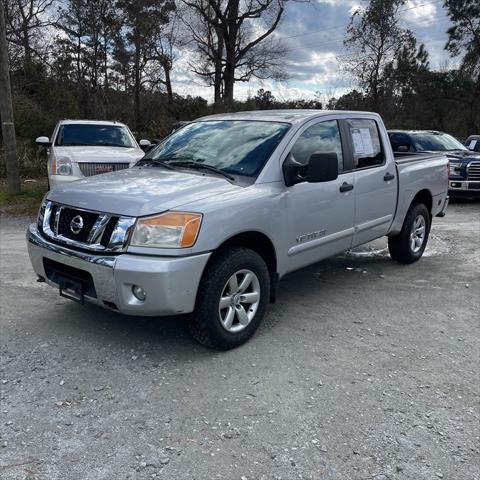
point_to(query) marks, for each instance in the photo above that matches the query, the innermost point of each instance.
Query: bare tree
(231, 38)
(164, 43)
(26, 21)
(6, 111)
(373, 39)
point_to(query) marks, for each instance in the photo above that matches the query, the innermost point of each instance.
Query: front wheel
(408, 246)
(232, 299)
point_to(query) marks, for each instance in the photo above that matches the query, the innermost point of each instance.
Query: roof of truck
(90, 122)
(290, 116)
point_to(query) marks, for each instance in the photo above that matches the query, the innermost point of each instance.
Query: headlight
(168, 230)
(63, 166)
(454, 169)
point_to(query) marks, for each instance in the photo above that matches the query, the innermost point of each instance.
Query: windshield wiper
(150, 161)
(198, 166)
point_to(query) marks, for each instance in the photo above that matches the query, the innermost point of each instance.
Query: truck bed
(402, 158)
(420, 172)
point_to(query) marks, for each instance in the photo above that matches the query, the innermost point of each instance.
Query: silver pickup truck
(213, 217)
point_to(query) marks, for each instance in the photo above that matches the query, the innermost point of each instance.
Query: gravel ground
(363, 369)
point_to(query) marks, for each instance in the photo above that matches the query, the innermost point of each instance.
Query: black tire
(399, 245)
(205, 324)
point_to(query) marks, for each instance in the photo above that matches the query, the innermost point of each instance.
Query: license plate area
(474, 186)
(73, 283)
(71, 289)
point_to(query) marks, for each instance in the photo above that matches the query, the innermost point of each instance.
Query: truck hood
(140, 191)
(456, 155)
(100, 154)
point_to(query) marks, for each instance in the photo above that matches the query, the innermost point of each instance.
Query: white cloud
(313, 33)
(419, 12)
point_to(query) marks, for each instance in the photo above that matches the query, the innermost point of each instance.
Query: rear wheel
(232, 299)
(408, 246)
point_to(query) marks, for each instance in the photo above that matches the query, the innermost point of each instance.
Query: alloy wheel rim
(417, 234)
(239, 301)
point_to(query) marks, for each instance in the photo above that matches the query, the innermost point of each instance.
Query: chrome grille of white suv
(89, 169)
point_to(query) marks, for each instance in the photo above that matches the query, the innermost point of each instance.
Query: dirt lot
(364, 369)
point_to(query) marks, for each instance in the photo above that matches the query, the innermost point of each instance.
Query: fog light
(139, 293)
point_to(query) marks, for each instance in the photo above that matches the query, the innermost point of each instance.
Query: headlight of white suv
(167, 230)
(62, 166)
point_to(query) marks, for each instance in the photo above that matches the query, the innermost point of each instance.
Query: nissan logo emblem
(76, 224)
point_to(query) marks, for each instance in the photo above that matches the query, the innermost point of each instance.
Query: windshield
(237, 147)
(436, 142)
(76, 134)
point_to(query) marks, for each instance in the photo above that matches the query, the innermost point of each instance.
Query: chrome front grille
(89, 169)
(473, 171)
(85, 229)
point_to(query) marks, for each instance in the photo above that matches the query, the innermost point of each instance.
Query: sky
(313, 36)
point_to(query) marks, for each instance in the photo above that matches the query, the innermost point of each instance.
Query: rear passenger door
(375, 180)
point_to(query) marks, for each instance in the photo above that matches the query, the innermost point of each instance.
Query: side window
(322, 137)
(367, 147)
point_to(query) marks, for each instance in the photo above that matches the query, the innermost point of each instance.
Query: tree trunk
(26, 47)
(6, 112)
(231, 38)
(168, 81)
(136, 94)
(217, 81)
(229, 81)
(229, 71)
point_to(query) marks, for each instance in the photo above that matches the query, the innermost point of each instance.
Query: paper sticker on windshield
(472, 145)
(362, 141)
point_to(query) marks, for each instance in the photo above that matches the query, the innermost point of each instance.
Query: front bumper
(463, 186)
(170, 283)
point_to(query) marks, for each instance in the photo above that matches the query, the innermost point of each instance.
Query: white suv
(82, 148)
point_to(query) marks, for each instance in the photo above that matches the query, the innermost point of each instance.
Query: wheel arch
(423, 196)
(260, 243)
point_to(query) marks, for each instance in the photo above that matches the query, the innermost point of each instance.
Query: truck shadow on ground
(169, 336)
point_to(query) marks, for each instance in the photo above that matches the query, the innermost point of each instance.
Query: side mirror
(144, 144)
(43, 141)
(403, 149)
(322, 167)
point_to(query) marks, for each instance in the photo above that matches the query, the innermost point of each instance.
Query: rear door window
(366, 144)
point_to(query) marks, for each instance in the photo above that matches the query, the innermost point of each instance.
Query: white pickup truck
(82, 148)
(224, 207)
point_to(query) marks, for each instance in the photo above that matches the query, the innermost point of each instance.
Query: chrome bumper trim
(34, 237)
(464, 186)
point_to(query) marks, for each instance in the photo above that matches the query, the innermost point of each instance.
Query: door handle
(388, 176)
(346, 187)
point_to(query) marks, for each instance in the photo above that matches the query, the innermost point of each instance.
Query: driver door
(321, 215)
